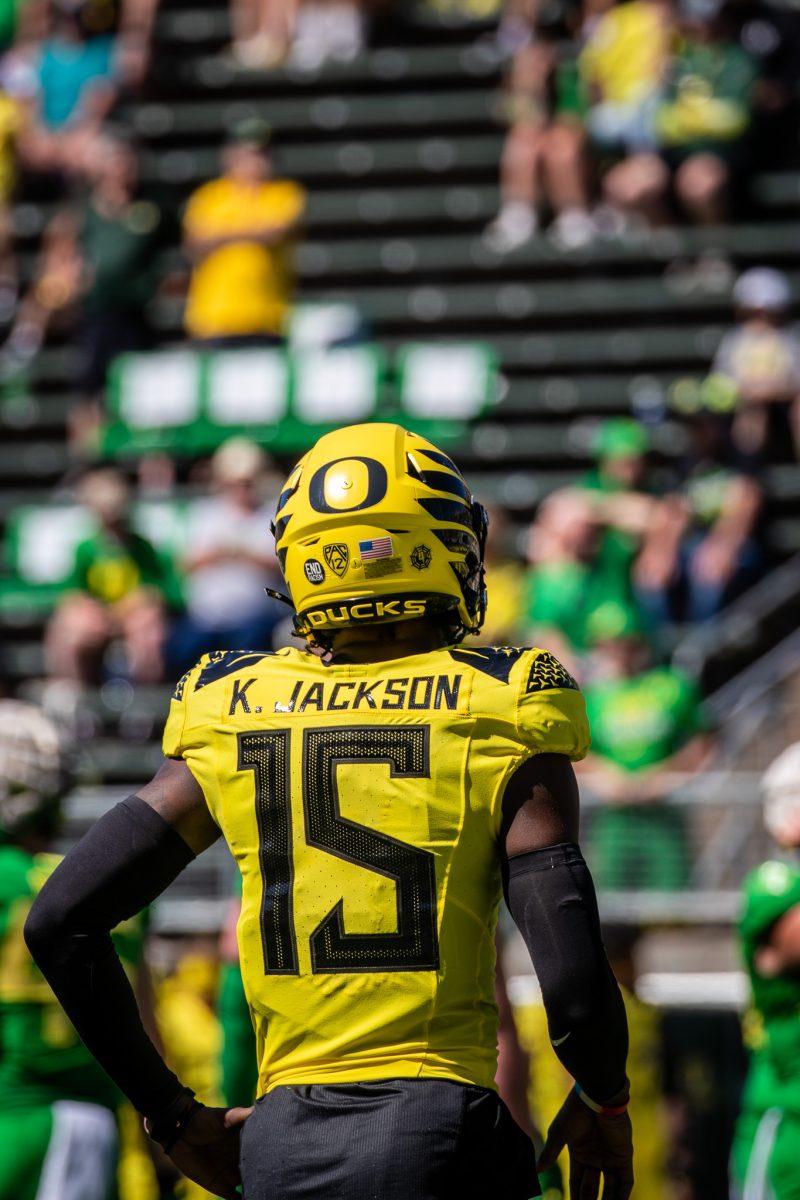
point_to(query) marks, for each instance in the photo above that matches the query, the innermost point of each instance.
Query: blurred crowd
(621, 118)
(603, 575)
(133, 608)
(303, 34)
(105, 257)
(625, 117)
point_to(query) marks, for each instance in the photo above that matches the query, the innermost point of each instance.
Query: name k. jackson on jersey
(416, 692)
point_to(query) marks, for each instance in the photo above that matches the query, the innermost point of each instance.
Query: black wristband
(166, 1127)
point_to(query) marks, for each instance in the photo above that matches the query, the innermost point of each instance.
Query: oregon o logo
(347, 484)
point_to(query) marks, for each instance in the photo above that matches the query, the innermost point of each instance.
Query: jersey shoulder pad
(544, 669)
(527, 693)
(550, 709)
(546, 673)
(193, 692)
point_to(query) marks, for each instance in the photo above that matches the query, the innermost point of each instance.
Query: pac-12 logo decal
(315, 572)
(337, 556)
(421, 558)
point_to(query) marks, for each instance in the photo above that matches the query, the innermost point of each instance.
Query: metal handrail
(736, 623)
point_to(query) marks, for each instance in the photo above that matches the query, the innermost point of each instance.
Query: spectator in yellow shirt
(239, 233)
(623, 66)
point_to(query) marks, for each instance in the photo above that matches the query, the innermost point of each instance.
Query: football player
(58, 1134)
(378, 789)
(765, 1162)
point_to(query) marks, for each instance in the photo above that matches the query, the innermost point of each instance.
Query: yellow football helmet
(375, 524)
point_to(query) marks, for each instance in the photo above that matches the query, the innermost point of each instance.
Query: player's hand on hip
(207, 1150)
(600, 1147)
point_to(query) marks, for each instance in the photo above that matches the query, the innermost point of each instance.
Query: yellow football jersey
(363, 804)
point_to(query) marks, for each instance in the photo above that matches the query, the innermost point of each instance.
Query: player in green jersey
(58, 1132)
(765, 1163)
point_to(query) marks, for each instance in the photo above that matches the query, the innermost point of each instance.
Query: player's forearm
(123, 863)
(552, 899)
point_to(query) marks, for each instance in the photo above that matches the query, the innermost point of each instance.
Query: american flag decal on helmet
(380, 547)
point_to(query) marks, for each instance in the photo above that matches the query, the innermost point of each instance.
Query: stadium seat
(440, 382)
(281, 400)
(336, 386)
(154, 400)
(40, 546)
(245, 389)
(318, 325)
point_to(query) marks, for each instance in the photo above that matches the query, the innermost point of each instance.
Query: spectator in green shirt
(575, 570)
(707, 110)
(643, 526)
(620, 489)
(702, 124)
(647, 729)
(122, 230)
(585, 542)
(621, 449)
(101, 261)
(121, 589)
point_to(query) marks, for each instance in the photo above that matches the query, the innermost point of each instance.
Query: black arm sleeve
(552, 899)
(122, 864)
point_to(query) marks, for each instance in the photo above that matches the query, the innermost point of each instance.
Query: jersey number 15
(406, 750)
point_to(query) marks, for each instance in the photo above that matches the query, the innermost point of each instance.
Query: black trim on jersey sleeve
(496, 661)
(552, 899)
(122, 864)
(220, 663)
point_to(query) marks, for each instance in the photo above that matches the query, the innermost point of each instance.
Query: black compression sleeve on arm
(122, 864)
(552, 900)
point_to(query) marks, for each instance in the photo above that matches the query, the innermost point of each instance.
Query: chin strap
(321, 641)
(284, 599)
(313, 639)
